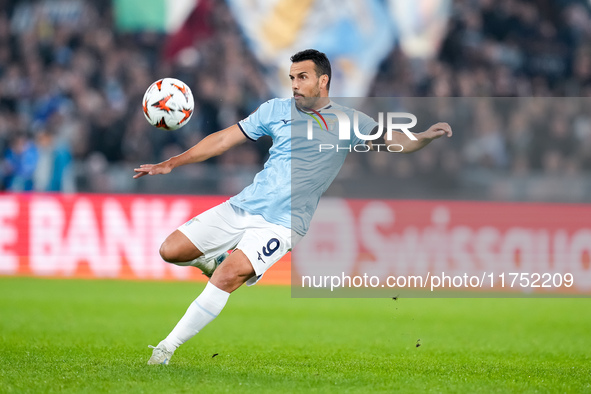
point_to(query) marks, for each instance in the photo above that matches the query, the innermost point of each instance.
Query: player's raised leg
(179, 250)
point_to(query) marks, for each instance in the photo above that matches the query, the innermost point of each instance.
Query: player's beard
(309, 102)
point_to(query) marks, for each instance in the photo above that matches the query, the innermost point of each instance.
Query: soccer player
(264, 221)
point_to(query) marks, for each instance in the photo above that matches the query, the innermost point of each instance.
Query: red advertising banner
(99, 236)
(519, 247)
(118, 236)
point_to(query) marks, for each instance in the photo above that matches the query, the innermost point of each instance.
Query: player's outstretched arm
(432, 133)
(213, 145)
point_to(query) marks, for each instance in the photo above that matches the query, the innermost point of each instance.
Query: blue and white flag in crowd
(355, 35)
(421, 25)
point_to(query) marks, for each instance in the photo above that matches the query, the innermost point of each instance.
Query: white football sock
(201, 312)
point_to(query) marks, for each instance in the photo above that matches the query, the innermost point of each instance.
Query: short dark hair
(320, 61)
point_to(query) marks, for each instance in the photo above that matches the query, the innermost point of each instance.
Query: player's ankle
(168, 345)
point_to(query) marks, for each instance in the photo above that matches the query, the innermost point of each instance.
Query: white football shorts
(227, 227)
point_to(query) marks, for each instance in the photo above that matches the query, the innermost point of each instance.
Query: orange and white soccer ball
(168, 104)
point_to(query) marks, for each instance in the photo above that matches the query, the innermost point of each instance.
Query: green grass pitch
(93, 336)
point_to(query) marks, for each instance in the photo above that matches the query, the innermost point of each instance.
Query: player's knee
(168, 253)
(235, 270)
(177, 248)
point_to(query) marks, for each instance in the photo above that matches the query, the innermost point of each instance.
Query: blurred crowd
(507, 48)
(70, 88)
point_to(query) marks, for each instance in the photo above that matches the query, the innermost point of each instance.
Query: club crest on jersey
(191, 221)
